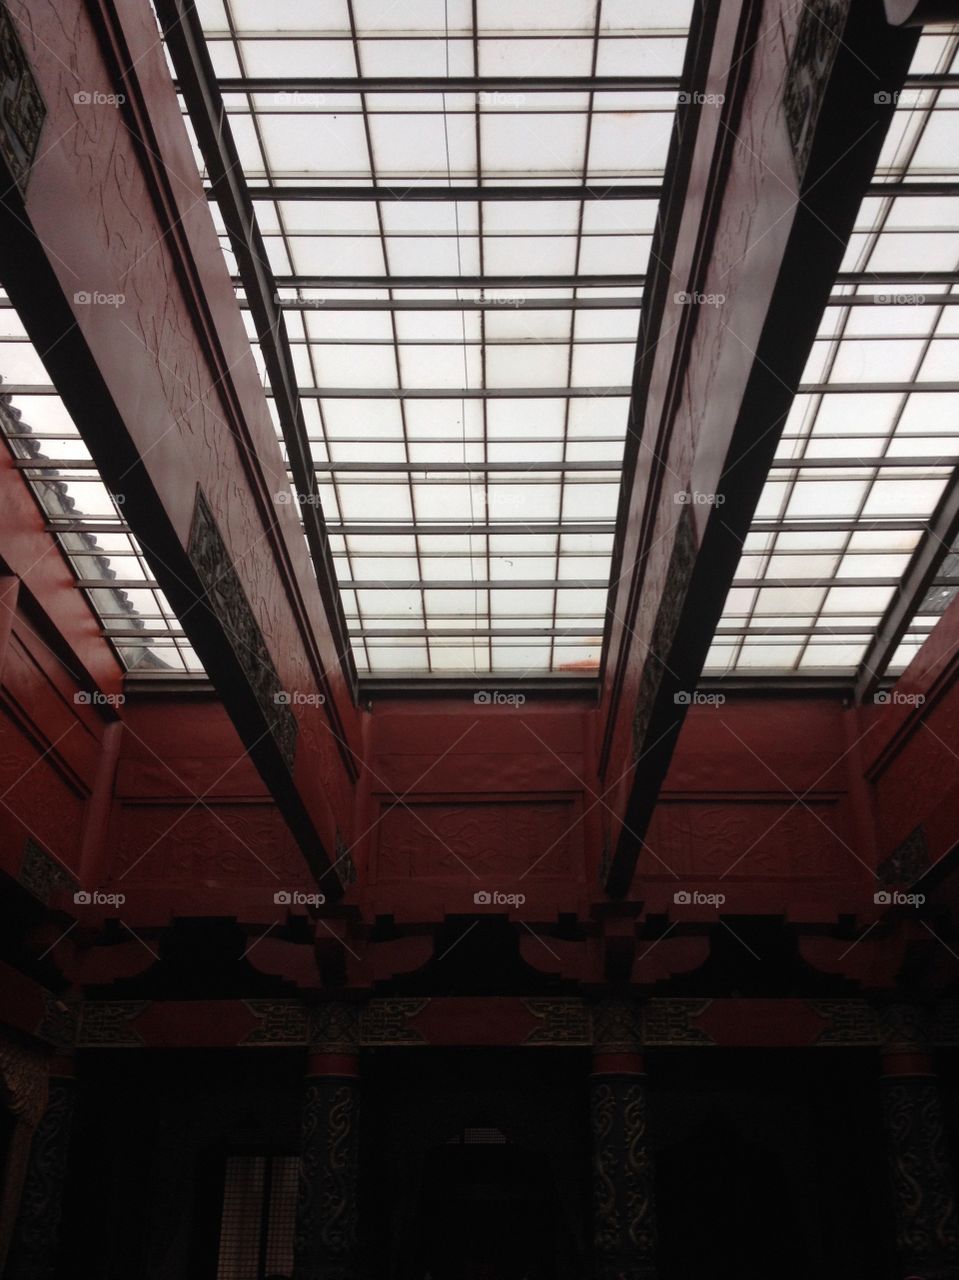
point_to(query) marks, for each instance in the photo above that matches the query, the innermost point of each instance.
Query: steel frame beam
(938, 538)
(187, 48)
(409, 189)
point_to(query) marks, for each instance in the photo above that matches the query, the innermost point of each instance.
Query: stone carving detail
(387, 1022)
(41, 874)
(617, 1026)
(681, 562)
(227, 600)
(23, 1074)
(22, 109)
(280, 1022)
(34, 1247)
(561, 1022)
(927, 1234)
(623, 1203)
(817, 42)
(851, 1022)
(672, 1022)
(908, 863)
(326, 1212)
(107, 1022)
(333, 1027)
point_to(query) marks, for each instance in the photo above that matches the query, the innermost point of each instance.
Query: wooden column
(326, 1211)
(927, 1227)
(623, 1204)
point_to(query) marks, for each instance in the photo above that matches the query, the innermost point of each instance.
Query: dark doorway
(477, 1165)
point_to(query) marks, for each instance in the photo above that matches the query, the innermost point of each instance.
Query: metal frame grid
(85, 517)
(869, 450)
(464, 364)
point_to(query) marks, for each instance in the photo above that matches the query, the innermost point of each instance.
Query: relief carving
(22, 109)
(420, 841)
(818, 38)
(228, 601)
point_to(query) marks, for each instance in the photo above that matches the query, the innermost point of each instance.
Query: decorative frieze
(22, 109)
(228, 601)
(818, 38)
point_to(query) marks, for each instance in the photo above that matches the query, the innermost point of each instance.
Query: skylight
(464, 365)
(872, 440)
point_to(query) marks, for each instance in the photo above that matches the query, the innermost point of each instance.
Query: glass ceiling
(464, 365)
(872, 440)
(86, 518)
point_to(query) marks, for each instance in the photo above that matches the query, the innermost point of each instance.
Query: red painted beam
(162, 382)
(768, 166)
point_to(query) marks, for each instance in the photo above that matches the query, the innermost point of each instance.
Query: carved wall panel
(208, 843)
(779, 838)
(421, 841)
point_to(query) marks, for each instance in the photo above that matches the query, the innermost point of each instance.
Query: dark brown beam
(411, 189)
(188, 50)
(935, 544)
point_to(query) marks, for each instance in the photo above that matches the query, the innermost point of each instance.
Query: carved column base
(927, 1226)
(33, 1250)
(624, 1210)
(326, 1212)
